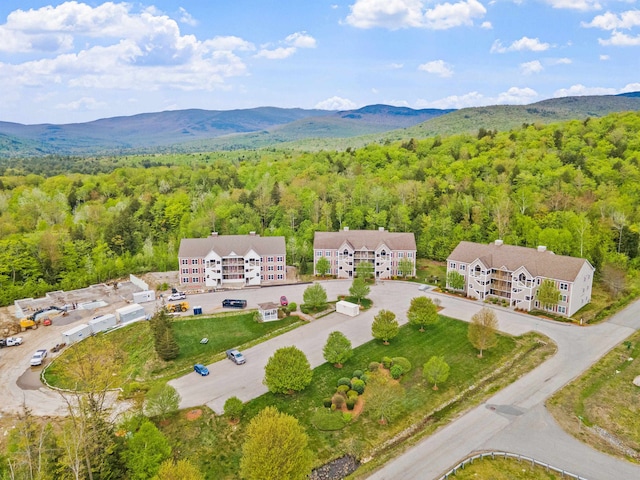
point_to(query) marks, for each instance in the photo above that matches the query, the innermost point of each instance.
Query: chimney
(499, 242)
(346, 229)
(214, 234)
(381, 229)
(542, 248)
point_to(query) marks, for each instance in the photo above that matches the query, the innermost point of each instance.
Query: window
(564, 298)
(185, 270)
(194, 261)
(564, 286)
(270, 276)
(195, 280)
(463, 267)
(410, 254)
(194, 270)
(185, 261)
(400, 254)
(327, 253)
(280, 258)
(527, 298)
(562, 310)
(270, 268)
(185, 280)
(318, 253)
(280, 267)
(270, 259)
(280, 276)
(452, 265)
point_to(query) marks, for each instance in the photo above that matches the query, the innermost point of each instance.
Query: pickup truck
(235, 356)
(38, 358)
(230, 303)
(13, 341)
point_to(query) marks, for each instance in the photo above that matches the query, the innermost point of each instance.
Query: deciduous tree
(385, 326)
(359, 289)
(233, 408)
(547, 294)
(482, 330)
(405, 267)
(145, 451)
(323, 266)
(455, 280)
(287, 371)
(161, 401)
(422, 312)
(315, 296)
(385, 398)
(338, 349)
(275, 448)
(182, 469)
(436, 370)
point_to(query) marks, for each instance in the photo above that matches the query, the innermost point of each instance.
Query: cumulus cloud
(301, 40)
(291, 45)
(397, 14)
(486, 25)
(276, 53)
(529, 68)
(580, 90)
(612, 21)
(604, 57)
(186, 18)
(336, 103)
(437, 67)
(396, 66)
(619, 39)
(583, 5)
(525, 43)
(514, 95)
(561, 61)
(84, 103)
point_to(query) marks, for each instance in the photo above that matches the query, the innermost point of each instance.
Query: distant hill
(208, 130)
(163, 131)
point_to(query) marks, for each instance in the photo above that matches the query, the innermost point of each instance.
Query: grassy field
(504, 469)
(141, 364)
(605, 398)
(216, 445)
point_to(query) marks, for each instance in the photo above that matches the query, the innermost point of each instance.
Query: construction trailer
(103, 322)
(144, 296)
(130, 313)
(348, 308)
(77, 333)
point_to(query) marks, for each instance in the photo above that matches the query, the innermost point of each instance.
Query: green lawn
(362, 436)
(141, 364)
(504, 469)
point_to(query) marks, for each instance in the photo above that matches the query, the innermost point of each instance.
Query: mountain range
(208, 130)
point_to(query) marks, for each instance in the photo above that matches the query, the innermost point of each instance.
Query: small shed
(144, 296)
(131, 313)
(268, 311)
(348, 308)
(103, 322)
(77, 333)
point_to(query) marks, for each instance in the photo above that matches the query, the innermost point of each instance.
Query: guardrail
(493, 454)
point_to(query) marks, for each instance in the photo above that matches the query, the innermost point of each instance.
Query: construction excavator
(32, 321)
(177, 307)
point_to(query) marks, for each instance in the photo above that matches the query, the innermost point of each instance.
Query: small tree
(359, 289)
(338, 349)
(385, 398)
(422, 312)
(182, 469)
(162, 401)
(233, 408)
(455, 280)
(167, 347)
(323, 266)
(364, 270)
(275, 448)
(436, 370)
(482, 330)
(548, 295)
(145, 451)
(385, 326)
(315, 296)
(405, 267)
(287, 371)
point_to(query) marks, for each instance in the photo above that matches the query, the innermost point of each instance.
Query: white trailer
(131, 313)
(103, 322)
(348, 308)
(77, 333)
(144, 296)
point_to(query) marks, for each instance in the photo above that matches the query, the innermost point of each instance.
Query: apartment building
(232, 261)
(515, 273)
(345, 249)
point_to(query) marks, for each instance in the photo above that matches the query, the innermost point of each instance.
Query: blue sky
(65, 62)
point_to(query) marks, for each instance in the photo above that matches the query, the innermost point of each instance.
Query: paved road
(515, 419)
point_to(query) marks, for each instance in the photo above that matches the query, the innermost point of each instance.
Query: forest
(574, 187)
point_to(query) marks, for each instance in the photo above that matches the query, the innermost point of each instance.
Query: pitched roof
(538, 263)
(369, 239)
(223, 245)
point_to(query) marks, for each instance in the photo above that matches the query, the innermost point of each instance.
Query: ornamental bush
(365, 377)
(343, 389)
(403, 362)
(358, 386)
(357, 373)
(327, 402)
(387, 362)
(352, 394)
(374, 366)
(396, 371)
(337, 400)
(351, 402)
(344, 381)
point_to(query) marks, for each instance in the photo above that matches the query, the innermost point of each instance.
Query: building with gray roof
(515, 273)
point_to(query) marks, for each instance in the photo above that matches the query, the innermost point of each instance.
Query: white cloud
(630, 87)
(512, 96)
(186, 18)
(486, 25)
(583, 5)
(561, 61)
(397, 103)
(529, 68)
(336, 103)
(396, 14)
(437, 67)
(277, 53)
(580, 90)
(293, 42)
(84, 103)
(619, 39)
(525, 43)
(517, 96)
(301, 40)
(612, 21)
(604, 57)
(396, 66)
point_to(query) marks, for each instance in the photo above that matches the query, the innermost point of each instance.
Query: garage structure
(348, 308)
(77, 333)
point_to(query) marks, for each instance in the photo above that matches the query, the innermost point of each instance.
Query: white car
(13, 341)
(38, 358)
(177, 296)
(423, 287)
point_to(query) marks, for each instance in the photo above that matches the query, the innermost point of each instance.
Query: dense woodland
(574, 187)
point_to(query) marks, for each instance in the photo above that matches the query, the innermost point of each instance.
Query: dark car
(235, 356)
(201, 369)
(283, 301)
(230, 303)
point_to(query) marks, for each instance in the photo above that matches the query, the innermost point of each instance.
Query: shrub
(327, 402)
(374, 366)
(343, 389)
(344, 381)
(352, 394)
(292, 307)
(351, 402)
(358, 386)
(327, 420)
(387, 362)
(337, 400)
(396, 371)
(403, 362)
(346, 417)
(358, 373)
(365, 378)
(233, 408)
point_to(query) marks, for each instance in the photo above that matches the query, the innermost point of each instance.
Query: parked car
(201, 369)
(229, 303)
(235, 356)
(38, 358)
(177, 296)
(423, 287)
(283, 301)
(13, 341)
